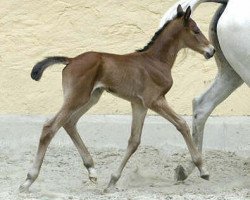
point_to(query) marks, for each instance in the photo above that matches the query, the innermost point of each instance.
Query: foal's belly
(234, 36)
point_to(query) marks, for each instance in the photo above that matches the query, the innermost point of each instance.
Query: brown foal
(142, 77)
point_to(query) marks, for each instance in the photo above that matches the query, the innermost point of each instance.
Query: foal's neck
(167, 46)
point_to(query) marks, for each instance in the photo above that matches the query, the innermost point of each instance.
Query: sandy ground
(148, 175)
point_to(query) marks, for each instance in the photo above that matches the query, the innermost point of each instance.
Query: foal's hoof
(93, 179)
(25, 186)
(23, 189)
(111, 189)
(205, 176)
(92, 175)
(180, 173)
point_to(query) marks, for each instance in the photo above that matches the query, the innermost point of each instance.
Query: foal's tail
(38, 69)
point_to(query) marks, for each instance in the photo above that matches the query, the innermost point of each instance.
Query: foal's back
(134, 77)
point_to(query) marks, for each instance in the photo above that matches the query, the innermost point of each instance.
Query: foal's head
(190, 35)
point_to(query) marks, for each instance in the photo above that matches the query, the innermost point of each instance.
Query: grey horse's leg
(226, 81)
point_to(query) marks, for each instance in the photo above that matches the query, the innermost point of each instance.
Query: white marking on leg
(92, 172)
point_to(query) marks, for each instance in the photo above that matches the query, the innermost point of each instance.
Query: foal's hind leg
(139, 112)
(162, 108)
(71, 129)
(49, 130)
(227, 81)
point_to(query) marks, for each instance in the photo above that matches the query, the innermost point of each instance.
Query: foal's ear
(180, 11)
(187, 14)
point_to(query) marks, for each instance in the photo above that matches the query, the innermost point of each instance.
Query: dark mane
(156, 35)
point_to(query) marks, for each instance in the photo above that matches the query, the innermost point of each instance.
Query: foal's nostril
(209, 55)
(209, 51)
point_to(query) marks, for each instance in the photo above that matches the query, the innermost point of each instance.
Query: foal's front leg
(139, 112)
(163, 109)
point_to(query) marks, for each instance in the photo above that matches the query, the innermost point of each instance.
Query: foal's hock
(142, 77)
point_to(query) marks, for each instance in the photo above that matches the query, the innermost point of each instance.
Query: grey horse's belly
(234, 37)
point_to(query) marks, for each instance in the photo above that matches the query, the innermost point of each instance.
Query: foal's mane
(156, 35)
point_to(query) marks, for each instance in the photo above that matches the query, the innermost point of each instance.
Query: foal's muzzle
(209, 52)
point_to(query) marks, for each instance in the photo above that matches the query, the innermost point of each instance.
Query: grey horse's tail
(213, 30)
(218, 1)
(39, 68)
(172, 11)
